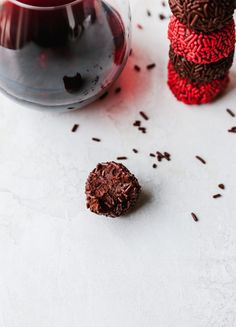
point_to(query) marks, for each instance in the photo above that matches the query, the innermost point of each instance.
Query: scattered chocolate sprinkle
(152, 155)
(230, 112)
(118, 90)
(104, 95)
(195, 218)
(149, 13)
(140, 26)
(162, 17)
(232, 130)
(160, 156)
(111, 190)
(154, 166)
(137, 123)
(216, 196)
(95, 139)
(135, 151)
(75, 127)
(167, 156)
(144, 115)
(221, 186)
(121, 158)
(143, 130)
(137, 68)
(201, 160)
(70, 108)
(151, 66)
(163, 3)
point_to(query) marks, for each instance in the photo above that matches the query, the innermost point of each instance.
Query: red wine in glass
(60, 53)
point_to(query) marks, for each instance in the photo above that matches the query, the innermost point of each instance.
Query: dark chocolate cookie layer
(111, 189)
(200, 73)
(203, 15)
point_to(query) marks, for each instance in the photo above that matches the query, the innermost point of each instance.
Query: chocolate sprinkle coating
(111, 190)
(203, 15)
(194, 92)
(204, 73)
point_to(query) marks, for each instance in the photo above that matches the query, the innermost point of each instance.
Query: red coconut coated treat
(193, 92)
(199, 47)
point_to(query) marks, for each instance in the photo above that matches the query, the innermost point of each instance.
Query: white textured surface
(62, 266)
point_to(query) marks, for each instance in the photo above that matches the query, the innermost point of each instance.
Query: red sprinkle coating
(198, 47)
(192, 92)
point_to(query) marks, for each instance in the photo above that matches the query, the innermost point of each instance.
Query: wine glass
(62, 54)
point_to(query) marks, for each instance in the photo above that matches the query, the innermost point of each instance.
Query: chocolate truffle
(203, 15)
(111, 190)
(194, 92)
(200, 73)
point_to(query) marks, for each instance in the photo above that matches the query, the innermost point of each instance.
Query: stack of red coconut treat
(202, 37)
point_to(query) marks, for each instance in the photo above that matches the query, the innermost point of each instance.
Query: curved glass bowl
(64, 54)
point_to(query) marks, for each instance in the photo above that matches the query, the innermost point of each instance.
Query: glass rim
(32, 7)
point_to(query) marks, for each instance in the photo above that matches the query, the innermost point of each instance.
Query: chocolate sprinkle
(75, 127)
(95, 139)
(140, 26)
(221, 186)
(160, 156)
(111, 190)
(154, 166)
(167, 156)
(121, 158)
(162, 17)
(151, 66)
(137, 123)
(137, 68)
(232, 130)
(195, 218)
(216, 196)
(152, 155)
(144, 115)
(230, 112)
(143, 130)
(201, 160)
(135, 150)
